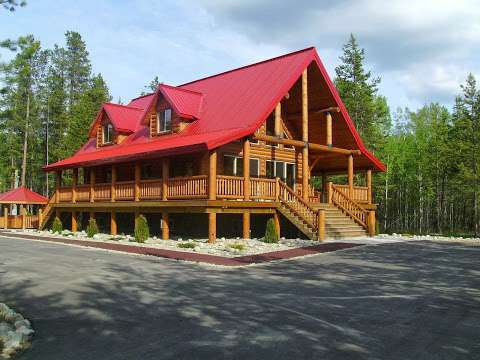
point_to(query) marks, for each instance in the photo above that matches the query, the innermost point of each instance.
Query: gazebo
(23, 197)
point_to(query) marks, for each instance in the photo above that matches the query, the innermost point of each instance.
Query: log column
(74, 185)
(92, 184)
(112, 186)
(74, 227)
(350, 176)
(40, 218)
(369, 186)
(5, 217)
(324, 187)
(212, 175)
(371, 222)
(212, 227)
(137, 181)
(165, 176)
(278, 120)
(165, 226)
(58, 183)
(113, 223)
(329, 139)
(321, 225)
(276, 220)
(305, 165)
(246, 169)
(246, 225)
(24, 215)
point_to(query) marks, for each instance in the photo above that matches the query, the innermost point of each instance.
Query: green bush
(92, 228)
(57, 226)
(237, 246)
(142, 232)
(271, 235)
(186, 245)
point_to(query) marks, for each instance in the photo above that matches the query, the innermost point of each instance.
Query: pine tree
(152, 86)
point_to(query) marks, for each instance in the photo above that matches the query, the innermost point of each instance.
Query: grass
(186, 245)
(237, 246)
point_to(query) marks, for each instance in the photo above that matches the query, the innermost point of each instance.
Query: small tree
(142, 232)
(57, 226)
(92, 228)
(271, 235)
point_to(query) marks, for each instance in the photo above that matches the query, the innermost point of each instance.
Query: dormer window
(107, 134)
(164, 120)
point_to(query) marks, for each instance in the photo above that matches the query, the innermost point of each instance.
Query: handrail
(360, 193)
(349, 206)
(299, 206)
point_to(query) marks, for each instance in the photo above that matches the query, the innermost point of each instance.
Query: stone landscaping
(15, 332)
(222, 247)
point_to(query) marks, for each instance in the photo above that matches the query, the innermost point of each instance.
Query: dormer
(175, 109)
(114, 123)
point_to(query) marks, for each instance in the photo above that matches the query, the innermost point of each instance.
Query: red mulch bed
(195, 257)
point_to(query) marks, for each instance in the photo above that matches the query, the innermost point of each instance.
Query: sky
(422, 50)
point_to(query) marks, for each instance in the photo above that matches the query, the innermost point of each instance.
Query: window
(107, 134)
(164, 120)
(283, 170)
(233, 166)
(270, 129)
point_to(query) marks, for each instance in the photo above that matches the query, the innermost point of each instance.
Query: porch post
(350, 176)
(74, 185)
(40, 218)
(165, 226)
(5, 217)
(137, 181)
(246, 225)
(371, 222)
(321, 225)
(212, 227)
(74, 221)
(369, 186)
(305, 192)
(113, 223)
(58, 183)
(329, 129)
(165, 176)
(276, 220)
(278, 120)
(24, 215)
(112, 186)
(246, 169)
(92, 184)
(212, 176)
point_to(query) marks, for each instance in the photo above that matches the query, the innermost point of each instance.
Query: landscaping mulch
(196, 257)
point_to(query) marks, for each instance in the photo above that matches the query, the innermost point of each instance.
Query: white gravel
(15, 332)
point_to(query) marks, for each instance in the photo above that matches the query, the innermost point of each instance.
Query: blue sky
(422, 50)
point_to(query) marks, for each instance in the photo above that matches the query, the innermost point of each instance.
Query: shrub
(271, 235)
(142, 232)
(92, 228)
(57, 226)
(237, 246)
(186, 245)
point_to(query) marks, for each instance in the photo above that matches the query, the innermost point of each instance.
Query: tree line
(48, 98)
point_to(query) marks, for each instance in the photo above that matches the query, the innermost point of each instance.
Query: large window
(107, 134)
(164, 120)
(270, 129)
(283, 170)
(233, 166)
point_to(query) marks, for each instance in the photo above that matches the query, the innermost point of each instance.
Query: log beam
(311, 146)
(328, 122)
(278, 120)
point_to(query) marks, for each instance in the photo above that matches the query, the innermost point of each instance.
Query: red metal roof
(22, 195)
(227, 106)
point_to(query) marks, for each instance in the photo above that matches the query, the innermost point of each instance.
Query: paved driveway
(395, 301)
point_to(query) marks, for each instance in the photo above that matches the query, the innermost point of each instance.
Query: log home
(233, 148)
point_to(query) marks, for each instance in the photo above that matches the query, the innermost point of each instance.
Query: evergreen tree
(152, 86)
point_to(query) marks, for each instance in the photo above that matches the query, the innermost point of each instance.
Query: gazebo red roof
(22, 195)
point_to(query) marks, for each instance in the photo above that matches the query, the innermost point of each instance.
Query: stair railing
(297, 205)
(353, 209)
(46, 211)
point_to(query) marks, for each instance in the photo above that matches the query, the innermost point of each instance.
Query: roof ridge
(249, 65)
(142, 96)
(121, 105)
(181, 89)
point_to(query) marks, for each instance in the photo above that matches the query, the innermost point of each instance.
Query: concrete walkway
(406, 300)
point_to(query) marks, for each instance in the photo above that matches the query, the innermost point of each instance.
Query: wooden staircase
(47, 212)
(343, 218)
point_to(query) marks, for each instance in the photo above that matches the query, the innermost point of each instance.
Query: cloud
(425, 44)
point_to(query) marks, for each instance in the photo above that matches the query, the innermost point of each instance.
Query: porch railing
(229, 187)
(191, 187)
(360, 193)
